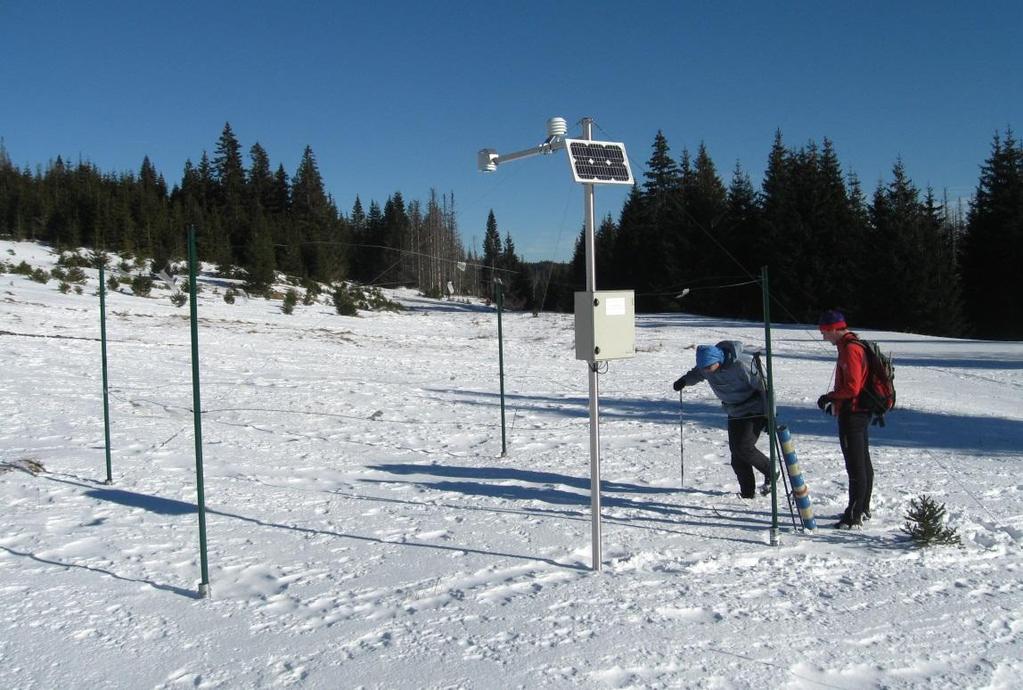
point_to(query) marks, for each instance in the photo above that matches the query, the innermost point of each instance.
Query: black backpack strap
(871, 375)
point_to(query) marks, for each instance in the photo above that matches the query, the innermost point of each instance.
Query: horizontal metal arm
(488, 159)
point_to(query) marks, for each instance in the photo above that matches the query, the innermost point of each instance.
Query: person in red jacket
(853, 420)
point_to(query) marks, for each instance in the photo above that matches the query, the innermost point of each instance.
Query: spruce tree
(698, 248)
(228, 172)
(657, 235)
(992, 248)
(628, 241)
(371, 256)
(358, 218)
(491, 253)
(662, 173)
(946, 313)
(604, 241)
(517, 286)
(738, 234)
(279, 201)
(259, 256)
(395, 235)
(775, 214)
(911, 282)
(308, 197)
(316, 222)
(260, 182)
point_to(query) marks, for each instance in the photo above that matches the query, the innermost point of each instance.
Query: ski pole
(681, 442)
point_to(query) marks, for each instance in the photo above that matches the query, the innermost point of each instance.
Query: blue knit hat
(832, 320)
(709, 354)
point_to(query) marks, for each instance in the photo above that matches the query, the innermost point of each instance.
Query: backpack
(878, 394)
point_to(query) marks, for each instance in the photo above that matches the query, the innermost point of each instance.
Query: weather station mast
(605, 322)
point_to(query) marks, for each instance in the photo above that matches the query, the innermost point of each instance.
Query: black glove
(823, 401)
(679, 384)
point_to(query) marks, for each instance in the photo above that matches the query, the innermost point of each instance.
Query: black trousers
(742, 442)
(852, 434)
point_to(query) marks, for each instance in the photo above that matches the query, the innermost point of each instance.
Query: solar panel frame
(598, 162)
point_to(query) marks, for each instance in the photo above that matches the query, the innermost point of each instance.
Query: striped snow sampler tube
(800, 491)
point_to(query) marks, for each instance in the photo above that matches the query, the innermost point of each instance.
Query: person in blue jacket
(736, 381)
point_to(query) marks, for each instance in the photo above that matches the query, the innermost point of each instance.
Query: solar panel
(598, 162)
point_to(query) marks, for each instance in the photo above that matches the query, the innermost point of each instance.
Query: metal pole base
(108, 482)
(204, 590)
(774, 537)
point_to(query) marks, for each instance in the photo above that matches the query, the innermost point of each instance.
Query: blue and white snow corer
(800, 491)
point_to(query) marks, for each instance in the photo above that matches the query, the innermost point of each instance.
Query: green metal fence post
(103, 357)
(771, 421)
(500, 361)
(204, 584)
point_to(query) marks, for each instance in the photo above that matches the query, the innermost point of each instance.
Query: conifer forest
(896, 257)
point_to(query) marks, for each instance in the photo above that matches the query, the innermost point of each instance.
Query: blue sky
(400, 95)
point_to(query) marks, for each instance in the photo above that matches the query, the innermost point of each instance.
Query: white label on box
(615, 306)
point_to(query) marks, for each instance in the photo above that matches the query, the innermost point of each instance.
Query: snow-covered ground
(364, 529)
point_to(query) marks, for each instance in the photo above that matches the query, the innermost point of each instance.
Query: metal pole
(204, 583)
(500, 360)
(103, 357)
(681, 443)
(771, 422)
(591, 287)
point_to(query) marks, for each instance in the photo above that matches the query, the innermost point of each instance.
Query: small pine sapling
(290, 300)
(343, 302)
(925, 523)
(141, 285)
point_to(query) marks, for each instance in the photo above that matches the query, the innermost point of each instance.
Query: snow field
(364, 529)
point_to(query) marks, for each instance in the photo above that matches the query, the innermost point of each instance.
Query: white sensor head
(486, 160)
(557, 127)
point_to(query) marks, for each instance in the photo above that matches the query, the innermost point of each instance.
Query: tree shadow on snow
(425, 304)
(662, 525)
(914, 429)
(515, 474)
(131, 499)
(648, 410)
(153, 504)
(955, 364)
(906, 427)
(659, 514)
(165, 506)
